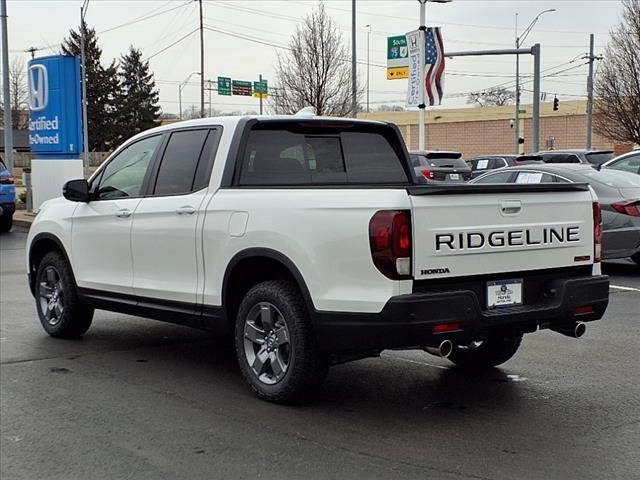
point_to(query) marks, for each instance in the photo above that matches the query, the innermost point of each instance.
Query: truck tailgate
(474, 231)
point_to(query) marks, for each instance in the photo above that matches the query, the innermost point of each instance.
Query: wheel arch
(252, 266)
(42, 244)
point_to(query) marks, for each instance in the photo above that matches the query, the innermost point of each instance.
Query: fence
(23, 159)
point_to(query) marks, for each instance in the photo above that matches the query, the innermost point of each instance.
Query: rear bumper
(407, 320)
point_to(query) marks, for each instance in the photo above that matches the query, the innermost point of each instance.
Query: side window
(631, 164)
(124, 175)
(371, 159)
(177, 170)
(500, 177)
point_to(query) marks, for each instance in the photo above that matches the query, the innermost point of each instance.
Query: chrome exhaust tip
(443, 350)
(575, 331)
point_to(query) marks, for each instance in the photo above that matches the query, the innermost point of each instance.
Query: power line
(171, 45)
(140, 19)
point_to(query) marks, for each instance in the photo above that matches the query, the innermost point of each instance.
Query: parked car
(7, 198)
(440, 166)
(483, 164)
(308, 239)
(618, 193)
(628, 162)
(589, 157)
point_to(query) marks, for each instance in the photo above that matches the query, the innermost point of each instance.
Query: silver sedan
(618, 193)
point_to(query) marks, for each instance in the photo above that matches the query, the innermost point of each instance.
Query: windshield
(598, 158)
(614, 178)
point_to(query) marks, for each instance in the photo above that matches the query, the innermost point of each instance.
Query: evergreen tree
(102, 89)
(138, 107)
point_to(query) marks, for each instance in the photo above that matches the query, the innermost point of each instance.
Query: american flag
(434, 64)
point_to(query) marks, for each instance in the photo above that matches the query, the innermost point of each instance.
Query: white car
(308, 240)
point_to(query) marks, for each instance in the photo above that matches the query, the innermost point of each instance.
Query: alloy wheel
(267, 344)
(51, 295)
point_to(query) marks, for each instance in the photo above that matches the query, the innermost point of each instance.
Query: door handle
(123, 213)
(511, 207)
(186, 210)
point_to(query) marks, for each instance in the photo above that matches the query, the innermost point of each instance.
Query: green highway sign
(242, 88)
(261, 87)
(224, 86)
(397, 51)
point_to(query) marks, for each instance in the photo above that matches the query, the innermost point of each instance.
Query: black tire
(55, 288)
(6, 222)
(492, 352)
(636, 258)
(293, 344)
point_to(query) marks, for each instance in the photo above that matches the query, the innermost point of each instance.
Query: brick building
(487, 130)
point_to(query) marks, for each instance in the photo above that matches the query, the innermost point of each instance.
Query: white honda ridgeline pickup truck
(309, 239)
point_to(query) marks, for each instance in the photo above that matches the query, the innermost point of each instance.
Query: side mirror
(76, 190)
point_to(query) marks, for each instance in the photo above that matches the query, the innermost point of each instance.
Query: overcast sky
(466, 25)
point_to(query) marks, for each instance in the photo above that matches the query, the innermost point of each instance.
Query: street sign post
(241, 88)
(397, 57)
(224, 86)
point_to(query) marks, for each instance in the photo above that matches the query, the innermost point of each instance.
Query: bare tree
(315, 71)
(617, 87)
(18, 94)
(492, 97)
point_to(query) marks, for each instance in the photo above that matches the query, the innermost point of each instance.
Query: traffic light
(556, 104)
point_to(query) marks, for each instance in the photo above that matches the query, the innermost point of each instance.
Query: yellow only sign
(396, 73)
(263, 95)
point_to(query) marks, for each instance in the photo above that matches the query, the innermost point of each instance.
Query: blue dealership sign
(55, 120)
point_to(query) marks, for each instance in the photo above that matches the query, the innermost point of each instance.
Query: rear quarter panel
(324, 232)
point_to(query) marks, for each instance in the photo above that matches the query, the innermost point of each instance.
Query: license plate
(454, 176)
(504, 293)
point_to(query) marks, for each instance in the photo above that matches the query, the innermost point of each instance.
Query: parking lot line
(626, 289)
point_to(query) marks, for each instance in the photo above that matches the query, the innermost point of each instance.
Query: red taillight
(6, 180)
(446, 327)
(583, 310)
(428, 174)
(597, 232)
(631, 208)
(390, 242)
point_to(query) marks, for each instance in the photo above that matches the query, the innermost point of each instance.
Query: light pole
(181, 86)
(8, 125)
(422, 106)
(519, 40)
(368, 35)
(85, 121)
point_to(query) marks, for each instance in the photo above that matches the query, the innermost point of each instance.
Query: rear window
(560, 158)
(309, 156)
(447, 162)
(598, 158)
(615, 179)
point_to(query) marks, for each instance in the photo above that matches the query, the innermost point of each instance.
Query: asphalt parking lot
(145, 400)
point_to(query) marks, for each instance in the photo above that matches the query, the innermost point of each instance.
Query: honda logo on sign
(38, 81)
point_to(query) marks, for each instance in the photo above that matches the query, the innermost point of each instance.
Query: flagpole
(422, 106)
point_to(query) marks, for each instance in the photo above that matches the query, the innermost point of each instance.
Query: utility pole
(32, 51)
(368, 35)
(591, 57)
(8, 124)
(354, 73)
(201, 63)
(85, 122)
(260, 94)
(517, 119)
(210, 89)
